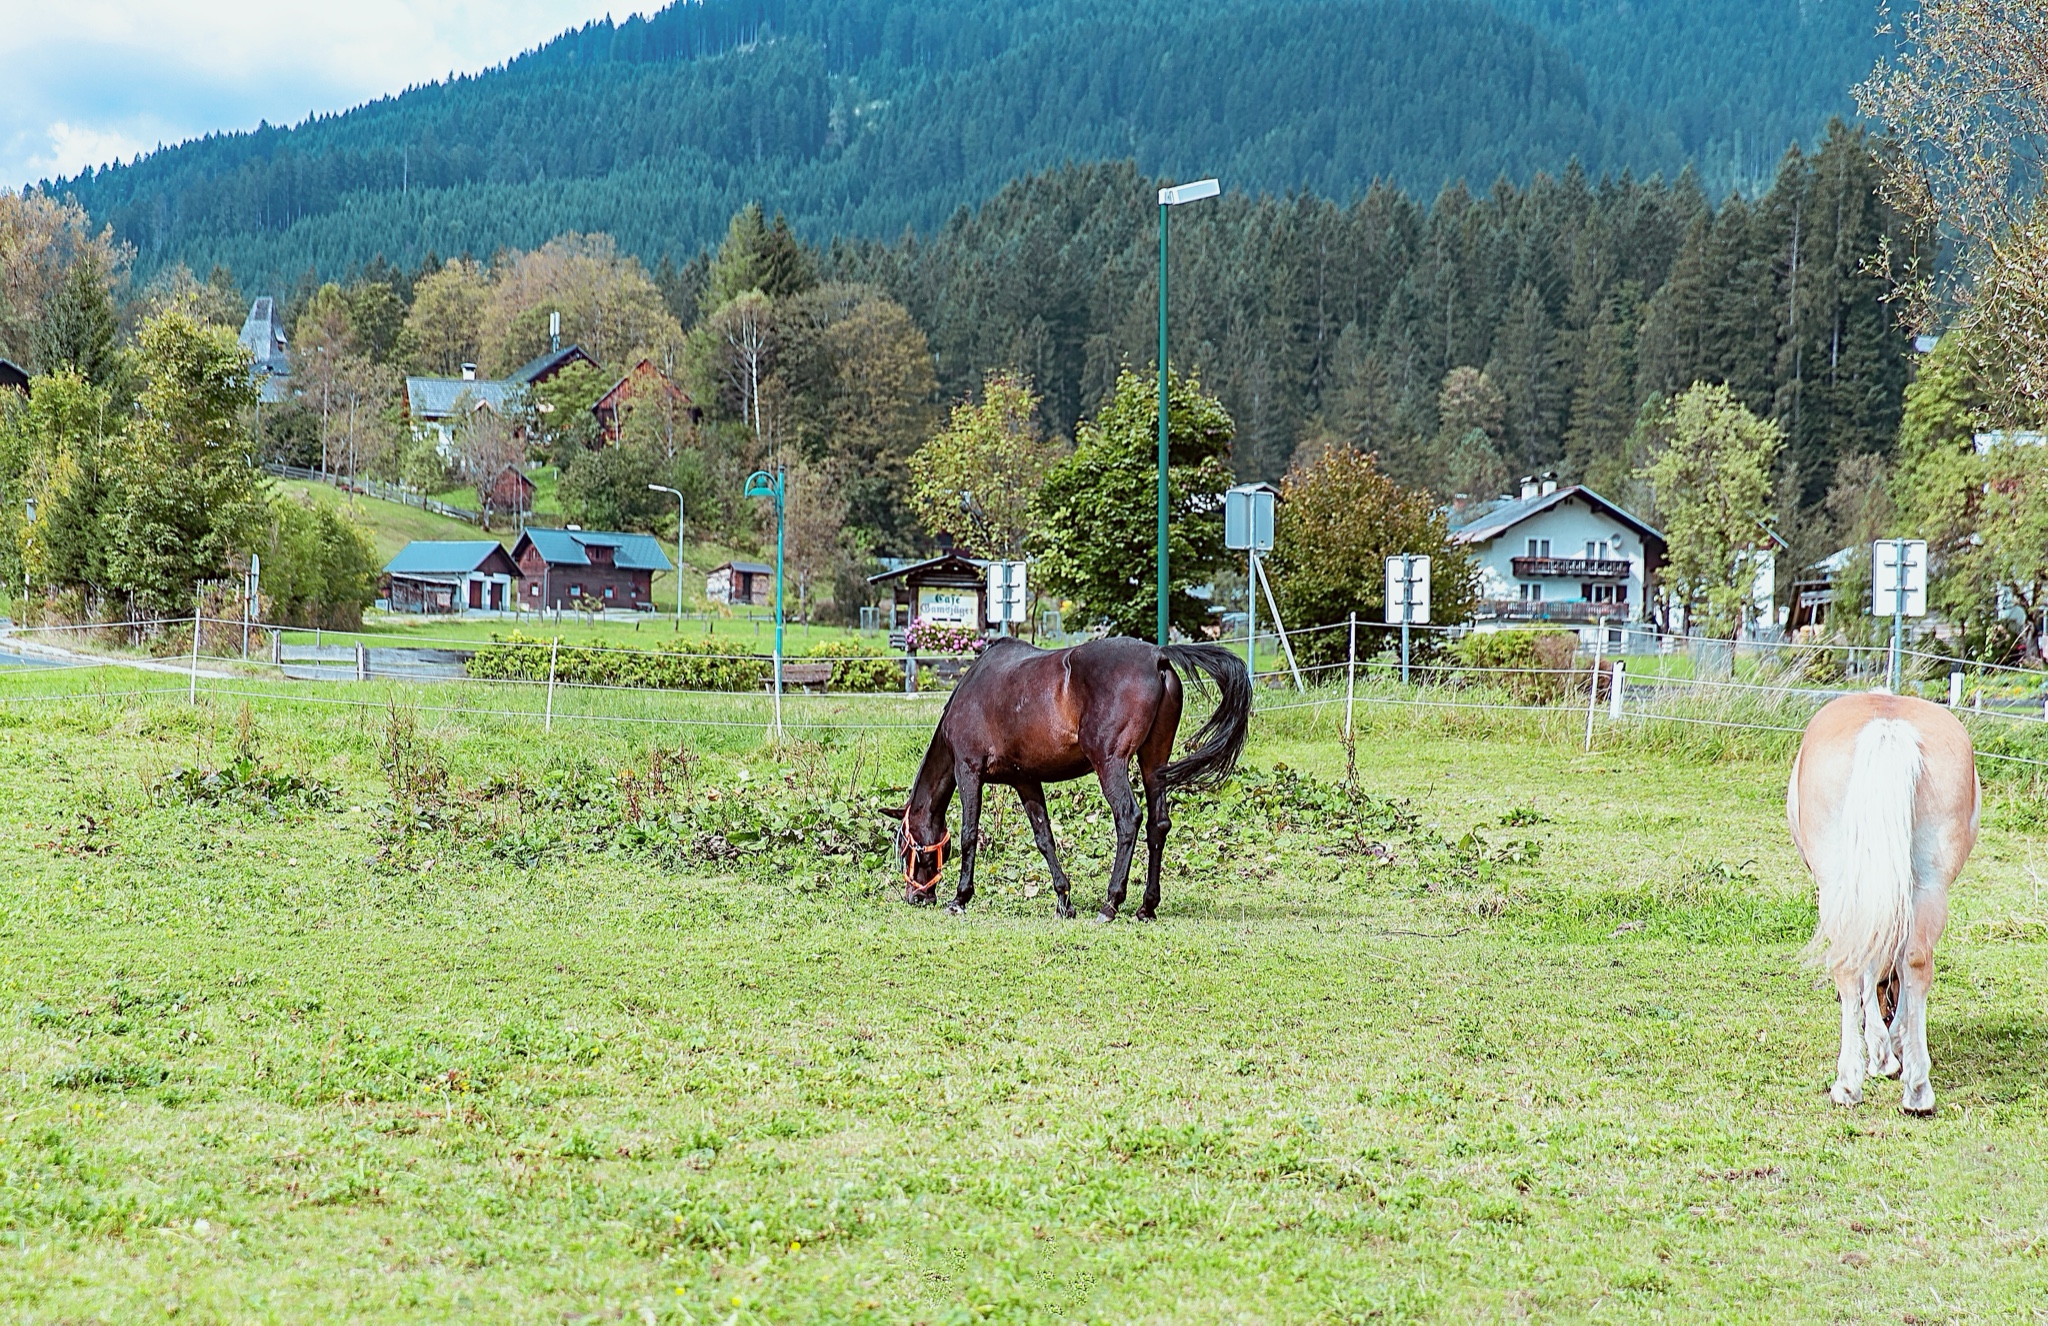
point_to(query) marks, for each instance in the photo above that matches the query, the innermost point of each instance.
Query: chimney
(1549, 486)
(469, 372)
(1529, 488)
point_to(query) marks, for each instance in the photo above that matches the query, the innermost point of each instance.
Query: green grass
(576, 1033)
(391, 525)
(748, 633)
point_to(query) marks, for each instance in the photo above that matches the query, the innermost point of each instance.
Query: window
(1539, 547)
(1608, 593)
(1589, 542)
(1585, 591)
(1603, 542)
(608, 588)
(1531, 593)
(534, 590)
(575, 591)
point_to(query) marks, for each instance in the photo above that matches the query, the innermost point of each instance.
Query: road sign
(1248, 518)
(1885, 575)
(1408, 590)
(1008, 597)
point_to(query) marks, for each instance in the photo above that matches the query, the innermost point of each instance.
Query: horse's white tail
(1866, 882)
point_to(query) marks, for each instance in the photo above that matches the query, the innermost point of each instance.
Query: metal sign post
(1248, 528)
(1008, 594)
(763, 484)
(1407, 598)
(1898, 590)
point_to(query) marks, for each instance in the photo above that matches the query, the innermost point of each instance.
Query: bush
(678, 665)
(860, 667)
(1531, 665)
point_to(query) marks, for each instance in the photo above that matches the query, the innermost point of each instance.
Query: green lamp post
(1173, 197)
(763, 484)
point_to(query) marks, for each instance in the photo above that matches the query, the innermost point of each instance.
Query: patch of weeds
(417, 776)
(1502, 1211)
(120, 1075)
(1522, 817)
(245, 784)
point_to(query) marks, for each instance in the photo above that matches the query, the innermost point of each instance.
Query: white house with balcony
(1561, 556)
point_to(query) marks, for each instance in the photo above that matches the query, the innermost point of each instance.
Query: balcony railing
(1561, 610)
(1572, 568)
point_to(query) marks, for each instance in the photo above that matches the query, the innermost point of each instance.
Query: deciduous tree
(1712, 483)
(977, 478)
(1095, 518)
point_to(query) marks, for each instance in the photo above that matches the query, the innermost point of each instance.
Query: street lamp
(763, 484)
(1173, 197)
(662, 488)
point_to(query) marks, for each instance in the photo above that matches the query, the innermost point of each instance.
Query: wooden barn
(588, 569)
(430, 575)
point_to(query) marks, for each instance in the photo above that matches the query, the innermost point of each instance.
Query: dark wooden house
(587, 569)
(643, 382)
(511, 493)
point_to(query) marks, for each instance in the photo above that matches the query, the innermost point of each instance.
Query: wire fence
(1609, 695)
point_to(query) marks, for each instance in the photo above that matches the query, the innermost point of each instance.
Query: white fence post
(1955, 690)
(1350, 673)
(198, 620)
(554, 651)
(1614, 693)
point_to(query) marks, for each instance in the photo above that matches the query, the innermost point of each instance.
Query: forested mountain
(870, 117)
(1317, 323)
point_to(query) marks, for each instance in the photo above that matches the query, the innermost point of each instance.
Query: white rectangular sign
(1408, 590)
(1248, 518)
(1885, 572)
(1008, 597)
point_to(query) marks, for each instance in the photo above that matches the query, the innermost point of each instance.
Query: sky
(93, 81)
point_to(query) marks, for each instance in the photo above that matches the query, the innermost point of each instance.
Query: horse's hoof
(1843, 1094)
(1064, 913)
(1104, 918)
(1918, 1101)
(956, 908)
(1147, 916)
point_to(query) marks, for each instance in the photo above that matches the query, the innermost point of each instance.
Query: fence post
(362, 661)
(1350, 672)
(198, 619)
(1955, 690)
(909, 672)
(1614, 693)
(276, 648)
(1593, 684)
(554, 652)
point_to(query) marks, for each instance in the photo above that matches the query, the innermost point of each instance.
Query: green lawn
(525, 1026)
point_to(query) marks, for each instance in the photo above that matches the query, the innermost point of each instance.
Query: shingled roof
(566, 547)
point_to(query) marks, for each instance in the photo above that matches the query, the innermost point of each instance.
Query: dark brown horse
(1027, 717)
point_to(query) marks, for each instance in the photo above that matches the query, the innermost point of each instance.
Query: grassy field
(409, 1013)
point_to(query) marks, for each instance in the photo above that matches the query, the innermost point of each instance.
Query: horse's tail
(1221, 739)
(1866, 879)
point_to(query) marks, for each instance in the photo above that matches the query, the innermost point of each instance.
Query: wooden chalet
(588, 569)
(741, 584)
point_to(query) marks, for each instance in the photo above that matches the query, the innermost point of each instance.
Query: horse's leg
(1033, 797)
(1848, 1087)
(1115, 776)
(970, 838)
(1157, 822)
(1930, 916)
(1877, 1038)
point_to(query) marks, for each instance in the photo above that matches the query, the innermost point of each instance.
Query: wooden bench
(801, 676)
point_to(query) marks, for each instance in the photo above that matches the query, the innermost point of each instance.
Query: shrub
(1532, 665)
(930, 637)
(679, 665)
(858, 666)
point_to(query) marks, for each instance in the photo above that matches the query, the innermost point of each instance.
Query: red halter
(912, 851)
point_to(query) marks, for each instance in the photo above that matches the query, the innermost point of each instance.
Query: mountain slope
(874, 116)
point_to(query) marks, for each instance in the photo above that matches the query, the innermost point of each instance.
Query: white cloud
(91, 81)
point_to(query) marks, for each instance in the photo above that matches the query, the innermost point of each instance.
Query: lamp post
(763, 484)
(662, 488)
(27, 542)
(1173, 197)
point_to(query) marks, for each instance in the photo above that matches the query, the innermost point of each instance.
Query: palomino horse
(1027, 717)
(1883, 804)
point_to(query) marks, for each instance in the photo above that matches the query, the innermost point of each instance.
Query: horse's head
(922, 863)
